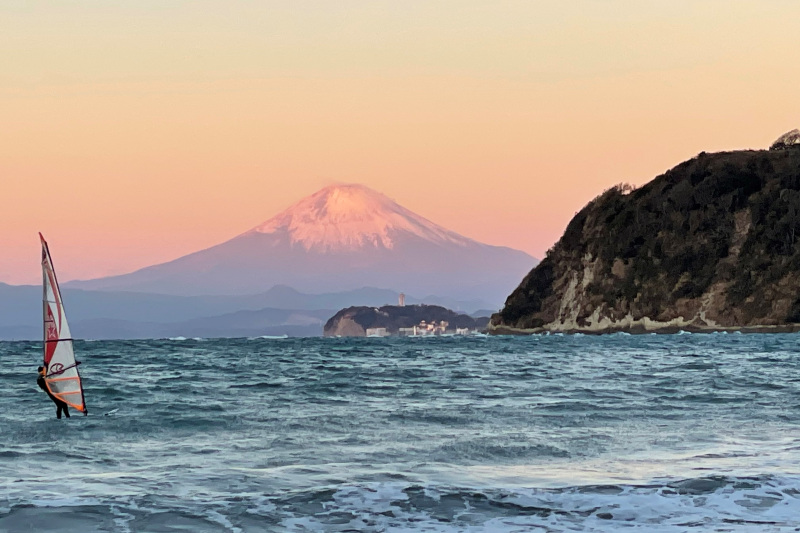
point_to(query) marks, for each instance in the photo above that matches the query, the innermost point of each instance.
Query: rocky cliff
(712, 244)
(354, 321)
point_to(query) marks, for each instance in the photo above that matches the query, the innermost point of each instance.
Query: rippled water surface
(543, 433)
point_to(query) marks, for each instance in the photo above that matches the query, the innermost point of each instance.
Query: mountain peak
(343, 237)
(349, 217)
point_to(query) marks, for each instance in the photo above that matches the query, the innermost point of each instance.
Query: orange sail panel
(63, 379)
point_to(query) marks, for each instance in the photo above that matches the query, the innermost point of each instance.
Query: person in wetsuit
(60, 405)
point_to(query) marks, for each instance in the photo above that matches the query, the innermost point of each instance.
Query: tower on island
(401, 300)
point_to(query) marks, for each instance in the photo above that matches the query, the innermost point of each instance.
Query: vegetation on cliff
(712, 243)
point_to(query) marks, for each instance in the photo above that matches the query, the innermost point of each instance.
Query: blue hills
(280, 310)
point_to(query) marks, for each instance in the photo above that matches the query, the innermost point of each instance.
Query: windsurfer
(60, 405)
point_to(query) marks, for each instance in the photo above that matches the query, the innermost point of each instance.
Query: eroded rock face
(788, 139)
(345, 327)
(714, 243)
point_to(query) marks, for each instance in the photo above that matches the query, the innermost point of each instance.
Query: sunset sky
(132, 133)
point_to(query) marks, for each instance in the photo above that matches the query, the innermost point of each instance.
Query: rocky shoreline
(640, 330)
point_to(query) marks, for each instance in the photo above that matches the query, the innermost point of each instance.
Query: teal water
(543, 433)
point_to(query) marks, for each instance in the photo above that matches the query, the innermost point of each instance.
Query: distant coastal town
(423, 329)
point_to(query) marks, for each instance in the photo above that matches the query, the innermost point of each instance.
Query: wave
(702, 504)
(716, 503)
(455, 435)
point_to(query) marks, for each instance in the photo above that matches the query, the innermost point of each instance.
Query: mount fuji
(342, 237)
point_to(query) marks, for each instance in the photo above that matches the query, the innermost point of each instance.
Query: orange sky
(132, 133)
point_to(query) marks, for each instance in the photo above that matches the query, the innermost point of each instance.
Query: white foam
(64, 502)
(736, 505)
(219, 518)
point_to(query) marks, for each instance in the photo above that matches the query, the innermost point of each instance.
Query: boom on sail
(63, 379)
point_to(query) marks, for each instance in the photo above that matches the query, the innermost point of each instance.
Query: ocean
(656, 433)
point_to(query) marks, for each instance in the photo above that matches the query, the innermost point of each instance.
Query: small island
(401, 320)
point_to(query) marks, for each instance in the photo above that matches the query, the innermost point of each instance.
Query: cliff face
(354, 321)
(714, 243)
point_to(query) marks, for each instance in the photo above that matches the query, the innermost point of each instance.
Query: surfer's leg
(58, 411)
(65, 409)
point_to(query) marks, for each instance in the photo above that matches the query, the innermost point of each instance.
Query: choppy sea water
(544, 433)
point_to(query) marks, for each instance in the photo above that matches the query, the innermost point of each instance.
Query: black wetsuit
(60, 405)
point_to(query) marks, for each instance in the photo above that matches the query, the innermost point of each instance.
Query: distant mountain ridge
(107, 314)
(340, 238)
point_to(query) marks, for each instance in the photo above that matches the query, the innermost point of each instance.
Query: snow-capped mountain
(342, 237)
(343, 218)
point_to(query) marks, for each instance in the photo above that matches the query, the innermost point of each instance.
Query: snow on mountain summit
(350, 217)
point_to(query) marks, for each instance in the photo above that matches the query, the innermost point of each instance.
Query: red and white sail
(62, 378)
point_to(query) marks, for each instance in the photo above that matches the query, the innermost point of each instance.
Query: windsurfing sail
(63, 379)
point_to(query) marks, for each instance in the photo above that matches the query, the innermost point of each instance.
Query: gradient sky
(132, 133)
